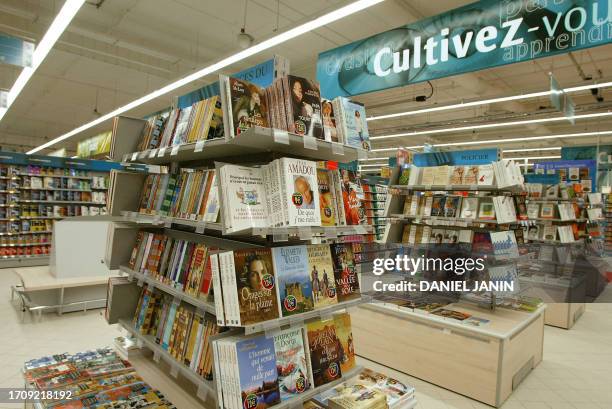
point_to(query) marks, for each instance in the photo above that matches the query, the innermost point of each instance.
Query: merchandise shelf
(207, 386)
(164, 220)
(299, 319)
(168, 289)
(461, 188)
(26, 245)
(54, 176)
(62, 202)
(26, 232)
(52, 189)
(254, 140)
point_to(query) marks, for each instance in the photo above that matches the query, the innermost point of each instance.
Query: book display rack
(35, 192)
(233, 248)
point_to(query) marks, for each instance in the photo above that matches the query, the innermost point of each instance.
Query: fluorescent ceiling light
(556, 148)
(486, 102)
(57, 27)
(494, 125)
(211, 69)
(536, 157)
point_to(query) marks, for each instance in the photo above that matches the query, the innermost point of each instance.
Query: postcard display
(238, 274)
(492, 349)
(33, 196)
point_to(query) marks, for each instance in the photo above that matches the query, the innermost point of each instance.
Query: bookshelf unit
(256, 145)
(37, 190)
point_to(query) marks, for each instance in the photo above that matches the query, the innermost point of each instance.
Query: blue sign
(16, 158)
(15, 51)
(485, 34)
(542, 178)
(261, 74)
(472, 157)
(566, 169)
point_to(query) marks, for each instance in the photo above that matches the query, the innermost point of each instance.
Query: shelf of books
(237, 245)
(32, 197)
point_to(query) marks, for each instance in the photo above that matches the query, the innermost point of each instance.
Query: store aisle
(575, 372)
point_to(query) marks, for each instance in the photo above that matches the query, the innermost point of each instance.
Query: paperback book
(321, 270)
(295, 293)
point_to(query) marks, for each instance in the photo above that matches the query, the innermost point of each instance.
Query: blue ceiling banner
(471, 157)
(485, 34)
(17, 158)
(15, 51)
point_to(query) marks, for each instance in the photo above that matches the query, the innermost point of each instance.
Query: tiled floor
(576, 372)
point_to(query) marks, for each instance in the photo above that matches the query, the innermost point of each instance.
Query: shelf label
(156, 356)
(202, 393)
(126, 157)
(140, 282)
(337, 148)
(310, 142)
(280, 136)
(271, 328)
(176, 301)
(325, 315)
(152, 153)
(280, 234)
(161, 152)
(200, 227)
(174, 370)
(175, 150)
(130, 278)
(331, 233)
(134, 156)
(168, 222)
(199, 146)
(305, 233)
(143, 154)
(360, 229)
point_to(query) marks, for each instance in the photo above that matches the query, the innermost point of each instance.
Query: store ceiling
(118, 50)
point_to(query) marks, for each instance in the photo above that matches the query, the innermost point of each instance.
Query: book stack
(369, 389)
(201, 121)
(256, 285)
(262, 371)
(293, 104)
(88, 379)
(179, 263)
(190, 194)
(288, 192)
(179, 328)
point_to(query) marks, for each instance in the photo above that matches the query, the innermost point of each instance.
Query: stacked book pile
(180, 329)
(263, 370)
(90, 379)
(256, 285)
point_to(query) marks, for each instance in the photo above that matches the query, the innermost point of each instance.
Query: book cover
(302, 191)
(304, 114)
(256, 364)
(456, 315)
(351, 189)
(330, 129)
(248, 106)
(533, 233)
(469, 208)
(520, 203)
(345, 275)
(547, 211)
(486, 175)
(404, 176)
(255, 282)
(321, 270)
(292, 279)
(533, 210)
(427, 178)
(291, 364)
(437, 206)
(327, 201)
(457, 175)
(354, 124)
(452, 206)
(470, 175)
(324, 347)
(396, 392)
(441, 175)
(344, 332)
(245, 194)
(486, 209)
(437, 236)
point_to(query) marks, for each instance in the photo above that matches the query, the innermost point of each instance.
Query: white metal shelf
(62, 202)
(460, 188)
(254, 140)
(168, 289)
(137, 217)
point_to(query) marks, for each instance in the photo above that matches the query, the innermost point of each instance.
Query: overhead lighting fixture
(487, 102)
(57, 27)
(556, 148)
(211, 69)
(494, 125)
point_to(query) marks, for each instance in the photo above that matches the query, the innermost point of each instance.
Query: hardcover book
(258, 375)
(292, 279)
(324, 347)
(255, 285)
(344, 332)
(321, 271)
(304, 106)
(345, 275)
(291, 363)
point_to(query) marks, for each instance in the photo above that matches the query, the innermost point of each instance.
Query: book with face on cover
(321, 274)
(302, 191)
(344, 332)
(437, 206)
(246, 103)
(452, 206)
(294, 376)
(292, 279)
(354, 124)
(303, 106)
(327, 200)
(330, 123)
(324, 347)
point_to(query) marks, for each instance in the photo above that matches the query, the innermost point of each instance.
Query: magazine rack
(254, 145)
